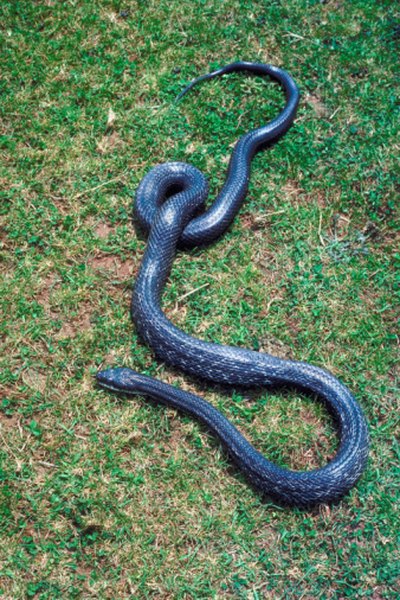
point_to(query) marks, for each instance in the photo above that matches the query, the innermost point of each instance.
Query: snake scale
(170, 206)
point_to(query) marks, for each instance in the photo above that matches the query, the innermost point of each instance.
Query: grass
(114, 498)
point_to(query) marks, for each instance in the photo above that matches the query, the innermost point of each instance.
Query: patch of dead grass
(108, 263)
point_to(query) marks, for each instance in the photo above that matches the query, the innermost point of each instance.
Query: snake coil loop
(167, 202)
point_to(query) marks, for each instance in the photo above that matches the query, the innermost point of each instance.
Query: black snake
(169, 202)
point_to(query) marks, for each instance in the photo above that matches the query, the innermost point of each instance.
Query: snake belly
(168, 202)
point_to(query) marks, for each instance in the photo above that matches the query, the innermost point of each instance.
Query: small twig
(295, 35)
(275, 212)
(334, 112)
(97, 187)
(46, 464)
(275, 299)
(192, 292)
(321, 239)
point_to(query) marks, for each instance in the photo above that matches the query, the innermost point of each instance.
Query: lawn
(110, 497)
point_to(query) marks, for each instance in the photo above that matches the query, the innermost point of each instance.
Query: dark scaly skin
(170, 223)
(213, 222)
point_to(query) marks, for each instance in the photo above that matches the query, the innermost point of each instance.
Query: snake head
(121, 380)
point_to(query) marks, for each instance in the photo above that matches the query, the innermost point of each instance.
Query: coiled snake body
(167, 199)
